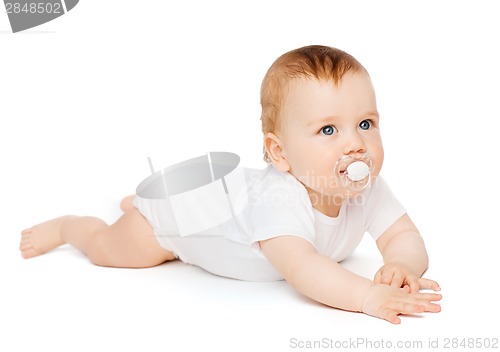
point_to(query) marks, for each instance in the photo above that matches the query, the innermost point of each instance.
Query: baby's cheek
(312, 179)
(378, 158)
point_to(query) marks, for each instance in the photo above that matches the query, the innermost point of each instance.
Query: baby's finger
(417, 305)
(378, 278)
(404, 308)
(428, 284)
(387, 278)
(427, 297)
(430, 307)
(413, 283)
(397, 280)
(390, 315)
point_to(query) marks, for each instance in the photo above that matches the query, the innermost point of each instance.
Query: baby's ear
(274, 149)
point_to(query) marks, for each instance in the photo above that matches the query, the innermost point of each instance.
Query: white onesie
(277, 204)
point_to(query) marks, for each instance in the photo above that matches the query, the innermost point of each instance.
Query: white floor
(84, 100)
(61, 302)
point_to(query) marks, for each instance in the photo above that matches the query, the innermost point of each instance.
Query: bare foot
(127, 203)
(42, 238)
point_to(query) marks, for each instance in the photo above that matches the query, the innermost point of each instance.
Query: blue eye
(328, 130)
(365, 125)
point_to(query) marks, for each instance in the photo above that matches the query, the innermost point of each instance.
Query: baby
(304, 213)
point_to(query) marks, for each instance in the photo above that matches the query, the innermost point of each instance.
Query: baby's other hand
(387, 302)
(398, 275)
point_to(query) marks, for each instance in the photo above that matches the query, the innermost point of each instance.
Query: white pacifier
(354, 173)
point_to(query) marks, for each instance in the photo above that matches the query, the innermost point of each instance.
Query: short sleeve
(280, 206)
(382, 209)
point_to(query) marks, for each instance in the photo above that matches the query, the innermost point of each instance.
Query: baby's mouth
(354, 173)
(358, 170)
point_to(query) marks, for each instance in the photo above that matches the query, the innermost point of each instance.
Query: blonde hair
(315, 61)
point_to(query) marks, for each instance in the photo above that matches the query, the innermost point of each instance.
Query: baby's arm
(327, 282)
(405, 257)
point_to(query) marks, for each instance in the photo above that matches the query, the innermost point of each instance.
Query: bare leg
(128, 243)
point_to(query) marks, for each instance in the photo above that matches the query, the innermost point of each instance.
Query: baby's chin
(341, 192)
(334, 193)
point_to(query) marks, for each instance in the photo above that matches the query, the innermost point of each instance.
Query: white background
(84, 100)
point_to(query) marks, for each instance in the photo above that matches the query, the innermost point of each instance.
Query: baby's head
(318, 105)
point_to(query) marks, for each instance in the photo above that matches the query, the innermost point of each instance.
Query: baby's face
(323, 122)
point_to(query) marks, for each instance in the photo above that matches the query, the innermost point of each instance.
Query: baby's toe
(29, 253)
(25, 244)
(26, 231)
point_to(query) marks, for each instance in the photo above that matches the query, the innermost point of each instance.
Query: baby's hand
(398, 275)
(387, 302)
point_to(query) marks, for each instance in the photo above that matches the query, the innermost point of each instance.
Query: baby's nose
(354, 144)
